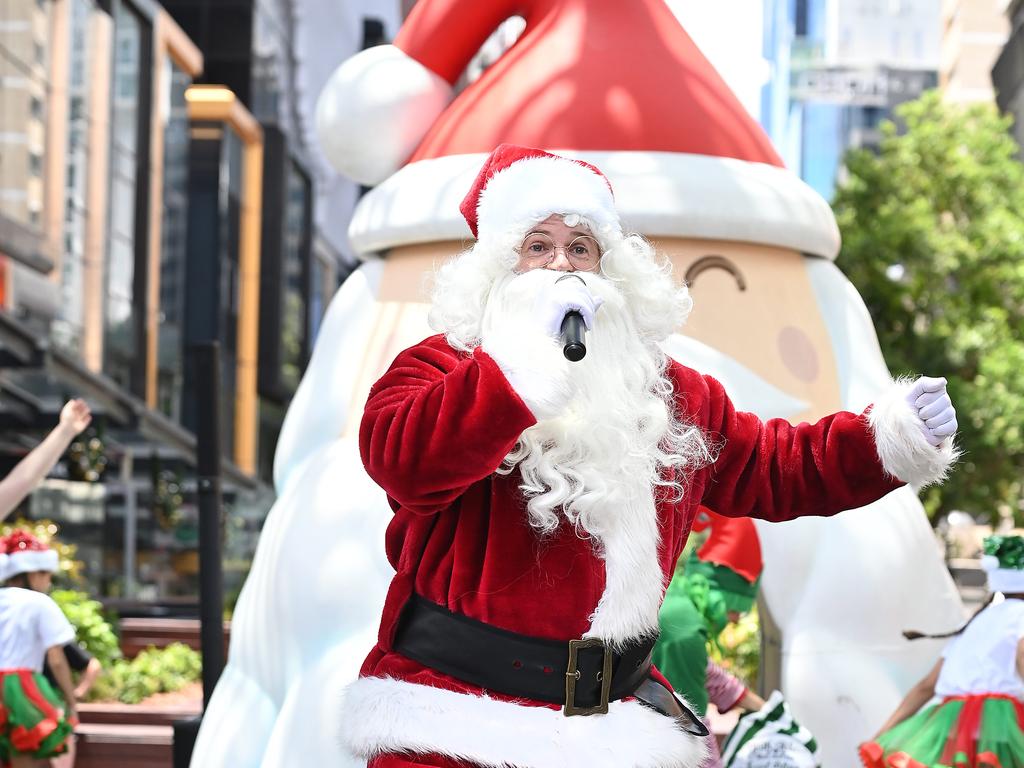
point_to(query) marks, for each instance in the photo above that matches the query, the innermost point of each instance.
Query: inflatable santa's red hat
(618, 84)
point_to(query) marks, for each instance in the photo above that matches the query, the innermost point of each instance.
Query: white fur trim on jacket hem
(382, 715)
(901, 444)
(658, 194)
(374, 111)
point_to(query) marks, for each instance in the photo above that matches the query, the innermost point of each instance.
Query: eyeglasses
(539, 250)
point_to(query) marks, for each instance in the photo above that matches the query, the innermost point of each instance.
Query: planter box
(135, 714)
(139, 634)
(114, 735)
(124, 746)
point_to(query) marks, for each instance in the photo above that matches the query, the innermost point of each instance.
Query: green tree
(933, 238)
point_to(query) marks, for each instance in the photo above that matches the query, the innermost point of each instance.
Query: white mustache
(747, 390)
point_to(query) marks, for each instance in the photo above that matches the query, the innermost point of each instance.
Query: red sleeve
(437, 422)
(776, 471)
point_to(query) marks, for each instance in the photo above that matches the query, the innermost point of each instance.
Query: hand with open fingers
(930, 401)
(567, 294)
(75, 415)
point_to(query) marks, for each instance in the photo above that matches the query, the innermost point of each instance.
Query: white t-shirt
(984, 658)
(30, 623)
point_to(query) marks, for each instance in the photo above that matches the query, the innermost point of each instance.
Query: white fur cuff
(535, 368)
(375, 110)
(381, 715)
(902, 447)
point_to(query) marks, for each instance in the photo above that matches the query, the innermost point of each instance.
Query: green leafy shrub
(92, 628)
(154, 670)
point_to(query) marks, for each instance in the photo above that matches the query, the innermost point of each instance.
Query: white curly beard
(608, 450)
(599, 464)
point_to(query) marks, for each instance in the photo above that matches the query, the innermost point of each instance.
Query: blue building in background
(837, 69)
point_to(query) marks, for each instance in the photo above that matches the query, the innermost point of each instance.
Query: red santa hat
(519, 186)
(24, 553)
(732, 542)
(730, 558)
(619, 85)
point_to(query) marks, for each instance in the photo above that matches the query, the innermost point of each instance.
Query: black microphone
(573, 330)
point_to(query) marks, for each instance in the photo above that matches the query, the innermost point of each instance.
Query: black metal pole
(206, 368)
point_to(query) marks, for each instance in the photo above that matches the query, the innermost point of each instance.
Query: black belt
(583, 677)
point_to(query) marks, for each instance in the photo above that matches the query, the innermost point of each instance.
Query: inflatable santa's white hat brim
(658, 194)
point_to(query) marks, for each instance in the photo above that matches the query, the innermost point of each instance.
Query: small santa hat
(520, 186)
(618, 84)
(730, 558)
(1003, 561)
(26, 554)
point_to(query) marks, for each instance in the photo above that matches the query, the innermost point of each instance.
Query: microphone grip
(573, 333)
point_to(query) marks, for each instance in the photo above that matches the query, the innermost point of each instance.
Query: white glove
(929, 400)
(566, 294)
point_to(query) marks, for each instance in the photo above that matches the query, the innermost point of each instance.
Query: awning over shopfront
(36, 379)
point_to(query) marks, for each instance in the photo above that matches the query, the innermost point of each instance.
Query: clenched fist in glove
(566, 294)
(930, 401)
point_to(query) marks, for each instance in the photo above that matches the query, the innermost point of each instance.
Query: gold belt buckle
(572, 676)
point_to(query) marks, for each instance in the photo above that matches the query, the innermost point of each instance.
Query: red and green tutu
(32, 723)
(983, 731)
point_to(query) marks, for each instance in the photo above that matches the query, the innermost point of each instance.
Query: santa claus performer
(540, 505)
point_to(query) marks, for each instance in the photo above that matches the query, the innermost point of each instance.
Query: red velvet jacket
(438, 424)
(436, 427)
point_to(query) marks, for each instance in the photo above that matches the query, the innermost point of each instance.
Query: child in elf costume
(35, 724)
(978, 721)
(719, 585)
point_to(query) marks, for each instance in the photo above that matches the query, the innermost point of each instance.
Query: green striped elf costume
(977, 720)
(32, 723)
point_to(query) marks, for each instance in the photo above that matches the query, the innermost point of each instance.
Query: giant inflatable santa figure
(623, 86)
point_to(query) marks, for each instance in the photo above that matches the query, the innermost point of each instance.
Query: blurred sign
(878, 87)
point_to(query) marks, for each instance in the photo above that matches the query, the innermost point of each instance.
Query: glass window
(294, 292)
(231, 211)
(274, 97)
(67, 329)
(173, 232)
(119, 343)
(25, 79)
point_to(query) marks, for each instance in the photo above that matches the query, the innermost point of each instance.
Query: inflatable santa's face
(622, 86)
